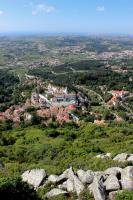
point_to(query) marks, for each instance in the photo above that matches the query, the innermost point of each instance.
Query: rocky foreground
(102, 185)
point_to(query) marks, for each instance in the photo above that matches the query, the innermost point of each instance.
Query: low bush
(12, 188)
(126, 195)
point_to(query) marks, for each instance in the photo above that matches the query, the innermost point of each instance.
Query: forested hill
(92, 73)
(8, 81)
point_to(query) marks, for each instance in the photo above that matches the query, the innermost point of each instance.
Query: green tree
(12, 188)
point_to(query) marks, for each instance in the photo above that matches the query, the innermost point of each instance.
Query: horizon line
(34, 33)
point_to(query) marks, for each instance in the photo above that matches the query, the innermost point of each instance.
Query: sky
(66, 16)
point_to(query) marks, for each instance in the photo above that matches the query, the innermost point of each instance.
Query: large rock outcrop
(67, 174)
(130, 158)
(127, 178)
(103, 185)
(53, 179)
(98, 189)
(78, 186)
(73, 183)
(121, 157)
(85, 177)
(113, 171)
(112, 183)
(34, 177)
(67, 185)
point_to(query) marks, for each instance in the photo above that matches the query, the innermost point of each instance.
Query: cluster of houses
(58, 97)
(56, 90)
(16, 114)
(56, 103)
(59, 107)
(38, 100)
(122, 54)
(117, 95)
(100, 122)
(60, 114)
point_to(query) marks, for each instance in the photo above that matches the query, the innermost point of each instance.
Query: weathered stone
(113, 170)
(121, 157)
(127, 178)
(104, 156)
(78, 186)
(70, 186)
(34, 177)
(108, 155)
(98, 189)
(130, 158)
(85, 177)
(100, 174)
(67, 174)
(53, 179)
(112, 183)
(63, 186)
(55, 192)
(90, 188)
(67, 185)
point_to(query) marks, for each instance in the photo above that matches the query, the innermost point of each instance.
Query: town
(59, 104)
(56, 103)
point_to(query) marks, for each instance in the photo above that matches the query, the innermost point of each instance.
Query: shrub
(36, 119)
(70, 136)
(117, 137)
(53, 133)
(85, 195)
(126, 195)
(43, 190)
(7, 125)
(30, 109)
(12, 188)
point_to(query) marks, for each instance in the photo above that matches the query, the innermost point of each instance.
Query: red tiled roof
(99, 122)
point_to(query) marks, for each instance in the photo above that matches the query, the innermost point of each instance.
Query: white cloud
(42, 8)
(100, 8)
(1, 12)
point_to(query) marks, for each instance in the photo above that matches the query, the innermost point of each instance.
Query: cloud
(100, 8)
(1, 12)
(42, 8)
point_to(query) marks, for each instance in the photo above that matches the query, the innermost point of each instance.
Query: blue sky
(67, 16)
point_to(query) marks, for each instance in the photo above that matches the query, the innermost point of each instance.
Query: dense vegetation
(30, 147)
(89, 73)
(12, 188)
(7, 83)
(124, 195)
